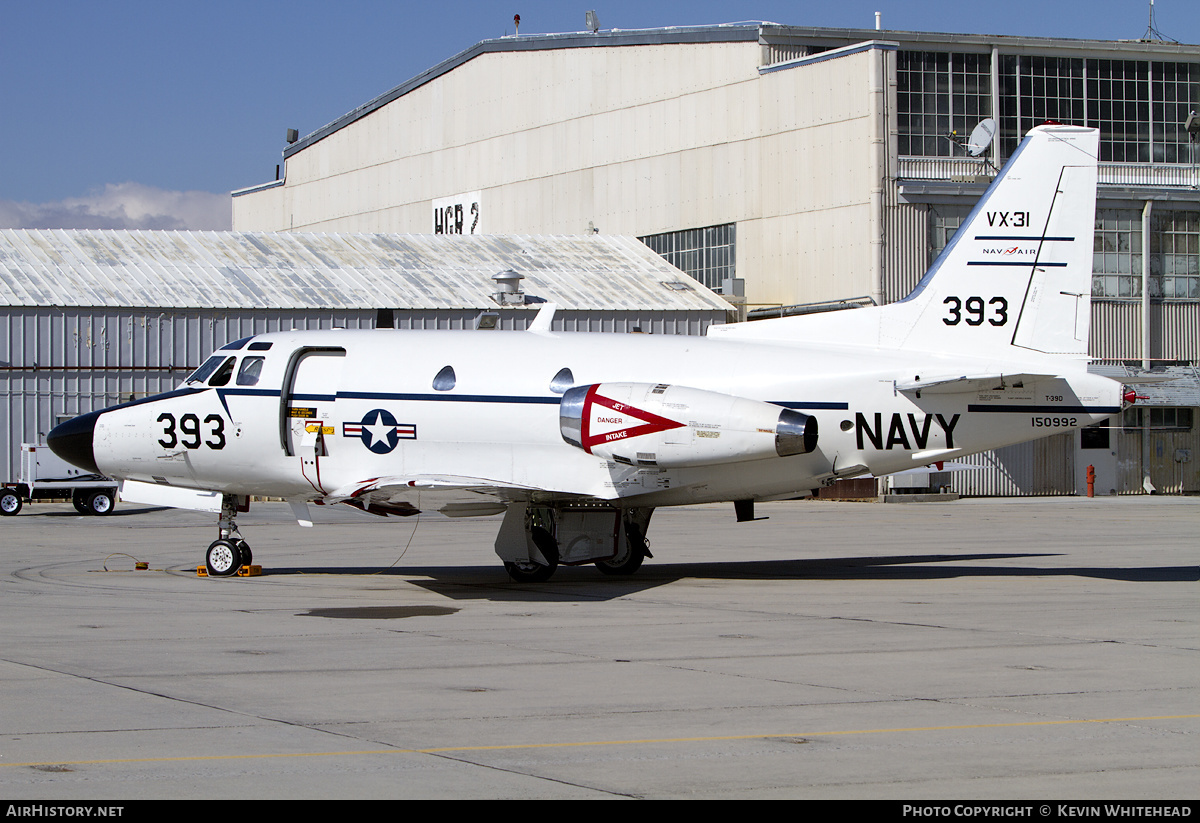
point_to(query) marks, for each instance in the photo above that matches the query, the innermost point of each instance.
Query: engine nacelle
(647, 424)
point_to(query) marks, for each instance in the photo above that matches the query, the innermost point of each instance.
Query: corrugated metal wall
(1041, 467)
(1174, 461)
(906, 249)
(1117, 324)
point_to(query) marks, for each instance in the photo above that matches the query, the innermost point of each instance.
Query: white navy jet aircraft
(577, 437)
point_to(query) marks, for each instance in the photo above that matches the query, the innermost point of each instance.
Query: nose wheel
(229, 552)
(223, 558)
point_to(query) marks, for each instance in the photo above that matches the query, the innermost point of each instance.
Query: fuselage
(305, 414)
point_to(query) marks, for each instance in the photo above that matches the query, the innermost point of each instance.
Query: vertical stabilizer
(1014, 280)
(1018, 272)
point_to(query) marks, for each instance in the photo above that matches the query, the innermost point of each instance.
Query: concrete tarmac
(992, 649)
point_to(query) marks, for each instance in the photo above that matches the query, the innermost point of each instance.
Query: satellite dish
(981, 138)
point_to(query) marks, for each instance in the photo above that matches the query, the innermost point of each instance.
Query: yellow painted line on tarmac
(583, 743)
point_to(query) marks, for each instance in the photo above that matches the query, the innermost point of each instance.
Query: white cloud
(124, 206)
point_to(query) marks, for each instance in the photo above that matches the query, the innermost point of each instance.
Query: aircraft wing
(955, 384)
(450, 495)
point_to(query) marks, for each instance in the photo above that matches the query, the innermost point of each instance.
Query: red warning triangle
(617, 423)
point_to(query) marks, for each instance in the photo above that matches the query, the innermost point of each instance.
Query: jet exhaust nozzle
(795, 433)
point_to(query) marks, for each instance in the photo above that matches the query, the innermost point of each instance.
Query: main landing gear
(229, 552)
(534, 541)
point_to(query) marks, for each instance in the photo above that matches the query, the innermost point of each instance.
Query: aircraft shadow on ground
(113, 513)
(586, 583)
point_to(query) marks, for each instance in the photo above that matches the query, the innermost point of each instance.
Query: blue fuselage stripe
(475, 398)
(1045, 409)
(788, 404)
(1018, 237)
(1014, 263)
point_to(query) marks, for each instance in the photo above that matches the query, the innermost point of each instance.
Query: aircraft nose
(72, 441)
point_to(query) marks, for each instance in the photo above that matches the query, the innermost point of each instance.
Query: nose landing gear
(229, 552)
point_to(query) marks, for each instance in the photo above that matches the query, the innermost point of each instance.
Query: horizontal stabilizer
(1147, 379)
(970, 383)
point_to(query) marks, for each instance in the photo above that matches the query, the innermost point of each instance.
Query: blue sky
(126, 114)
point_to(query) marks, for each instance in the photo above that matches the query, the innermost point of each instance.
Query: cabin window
(445, 379)
(562, 381)
(250, 371)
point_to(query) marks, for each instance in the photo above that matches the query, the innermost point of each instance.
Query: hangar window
(1036, 88)
(1164, 419)
(1117, 254)
(1174, 93)
(1174, 254)
(445, 379)
(938, 93)
(708, 254)
(1138, 105)
(943, 223)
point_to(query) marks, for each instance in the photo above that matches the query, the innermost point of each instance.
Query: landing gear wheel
(244, 550)
(626, 562)
(10, 503)
(527, 571)
(101, 503)
(223, 558)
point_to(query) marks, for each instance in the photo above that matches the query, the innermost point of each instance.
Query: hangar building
(89, 319)
(792, 166)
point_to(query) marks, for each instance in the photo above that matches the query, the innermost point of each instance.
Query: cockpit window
(223, 373)
(206, 369)
(250, 371)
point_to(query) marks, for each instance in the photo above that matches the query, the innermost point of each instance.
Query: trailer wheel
(10, 503)
(101, 503)
(80, 501)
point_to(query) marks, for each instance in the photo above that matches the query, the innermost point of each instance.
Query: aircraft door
(306, 417)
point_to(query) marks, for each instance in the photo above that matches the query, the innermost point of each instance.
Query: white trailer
(44, 476)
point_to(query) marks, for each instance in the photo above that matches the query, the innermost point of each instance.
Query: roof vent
(509, 284)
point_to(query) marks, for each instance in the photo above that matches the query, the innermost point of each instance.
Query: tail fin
(1017, 273)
